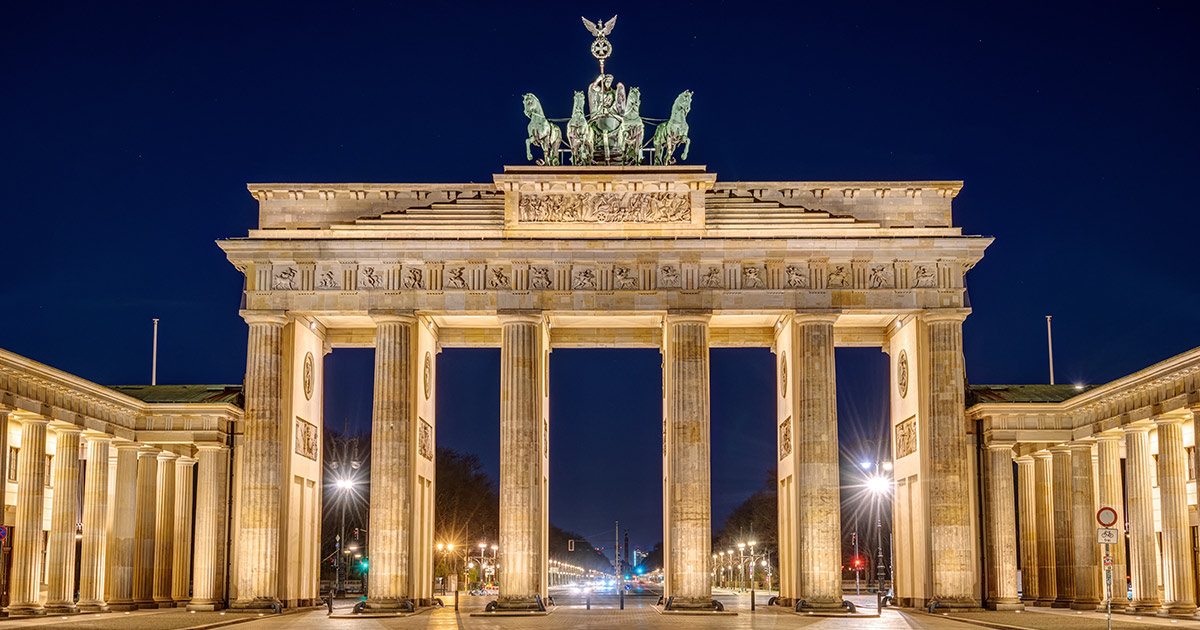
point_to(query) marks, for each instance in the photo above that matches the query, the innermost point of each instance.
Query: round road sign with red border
(1106, 516)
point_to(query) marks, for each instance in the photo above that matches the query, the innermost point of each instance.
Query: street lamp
(344, 486)
(879, 486)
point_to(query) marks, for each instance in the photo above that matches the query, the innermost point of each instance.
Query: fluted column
(24, 595)
(262, 449)
(950, 530)
(1083, 517)
(686, 415)
(144, 528)
(1179, 580)
(1064, 528)
(95, 523)
(60, 560)
(817, 458)
(1143, 560)
(521, 507)
(181, 571)
(1047, 571)
(1027, 500)
(5, 415)
(208, 581)
(1002, 529)
(122, 550)
(1108, 446)
(164, 529)
(391, 465)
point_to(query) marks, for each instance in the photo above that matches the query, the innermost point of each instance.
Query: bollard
(588, 600)
(622, 599)
(456, 600)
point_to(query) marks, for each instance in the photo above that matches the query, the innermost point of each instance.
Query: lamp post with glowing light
(879, 487)
(344, 486)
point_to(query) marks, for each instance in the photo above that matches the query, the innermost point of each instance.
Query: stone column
(1047, 571)
(181, 571)
(1027, 500)
(391, 466)
(144, 547)
(262, 452)
(119, 569)
(951, 533)
(24, 591)
(817, 459)
(1083, 517)
(95, 523)
(521, 506)
(208, 581)
(164, 529)
(60, 559)
(1002, 529)
(1108, 446)
(5, 414)
(1064, 528)
(1179, 580)
(1143, 555)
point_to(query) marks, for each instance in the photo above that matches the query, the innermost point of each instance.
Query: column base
(955, 605)
(203, 606)
(389, 604)
(122, 606)
(517, 603)
(59, 608)
(1044, 601)
(1085, 604)
(256, 603)
(35, 610)
(93, 607)
(1177, 611)
(692, 603)
(1062, 603)
(1006, 604)
(164, 604)
(1143, 608)
(823, 606)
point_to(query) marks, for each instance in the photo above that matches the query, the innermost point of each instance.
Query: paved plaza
(640, 612)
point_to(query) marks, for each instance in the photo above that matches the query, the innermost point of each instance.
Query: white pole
(1050, 346)
(154, 357)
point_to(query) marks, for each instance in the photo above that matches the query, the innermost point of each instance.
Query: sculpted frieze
(624, 278)
(539, 278)
(924, 277)
(454, 278)
(711, 279)
(668, 277)
(797, 277)
(498, 278)
(839, 277)
(605, 207)
(752, 277)
(882, 277)
(284, 279)
(370, 277)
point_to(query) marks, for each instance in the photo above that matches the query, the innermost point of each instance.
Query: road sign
(3, 533)
(1108, 562)
(1106, 516)
(1107, 535)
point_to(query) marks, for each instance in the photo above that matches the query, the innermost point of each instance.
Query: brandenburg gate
(547, 257)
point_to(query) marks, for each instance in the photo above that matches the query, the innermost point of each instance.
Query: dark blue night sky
(129, 131)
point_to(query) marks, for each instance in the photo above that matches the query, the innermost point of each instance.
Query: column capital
(1042, 454)
(1168, 419)
(273, 318)
(520, 317)
(66, 428)
(33, 420)
(1024, 459)
(184, 461)
(1060, 448)
(129, 446)
(945, 315)
(393, 317)
(1112, 436)
(996, 445)
(90, 435)
(211, 446)
(815, 317)
(1137, 428)
(166, 456)
(1082, 443)
(682, 315)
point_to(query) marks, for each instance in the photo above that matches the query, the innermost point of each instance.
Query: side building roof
(231, 394)
(1023, 393)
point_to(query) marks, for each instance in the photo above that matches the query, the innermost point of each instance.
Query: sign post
(1107, 517)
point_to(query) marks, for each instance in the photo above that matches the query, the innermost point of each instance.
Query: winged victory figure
(596, 29)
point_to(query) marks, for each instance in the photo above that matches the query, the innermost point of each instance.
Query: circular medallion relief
(783, 374)
(428, 374)
(308, 376)
(902, 373)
